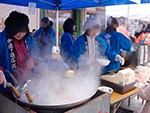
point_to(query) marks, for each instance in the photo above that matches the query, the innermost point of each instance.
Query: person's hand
(120, 59)
(29, 63)
(3, 79)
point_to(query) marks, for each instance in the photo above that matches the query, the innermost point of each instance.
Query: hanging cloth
(12, 55)
(91, 46)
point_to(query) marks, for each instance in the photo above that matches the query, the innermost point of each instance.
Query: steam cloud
(52, 87)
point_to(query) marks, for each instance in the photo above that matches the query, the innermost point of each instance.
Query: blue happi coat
(117, 41)
(5, 58)
(67, 45)
(103, 48)
(50, 38)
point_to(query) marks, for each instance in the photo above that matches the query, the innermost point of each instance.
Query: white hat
(90, 23)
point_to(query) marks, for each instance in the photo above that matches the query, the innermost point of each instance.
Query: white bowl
(103, 62)
(105, 89)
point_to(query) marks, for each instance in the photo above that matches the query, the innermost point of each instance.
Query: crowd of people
(20, 50)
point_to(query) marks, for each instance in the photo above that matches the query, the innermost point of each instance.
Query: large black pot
(54, 108)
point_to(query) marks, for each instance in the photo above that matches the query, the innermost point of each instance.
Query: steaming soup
(52, 87)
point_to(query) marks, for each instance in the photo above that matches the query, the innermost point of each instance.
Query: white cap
(90, 23)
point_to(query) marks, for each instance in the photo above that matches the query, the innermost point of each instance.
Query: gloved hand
(120, 59)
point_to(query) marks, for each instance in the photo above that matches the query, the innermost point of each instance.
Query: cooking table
(116, 99)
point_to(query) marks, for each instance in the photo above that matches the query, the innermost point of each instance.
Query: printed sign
(32, 8)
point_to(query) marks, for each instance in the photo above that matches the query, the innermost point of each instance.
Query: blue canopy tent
(66, 4)
(145, 1)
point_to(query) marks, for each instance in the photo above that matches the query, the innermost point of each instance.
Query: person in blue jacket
(67, 42)
(18, 53)
(93, 46)
(45, 37)
(116, 40)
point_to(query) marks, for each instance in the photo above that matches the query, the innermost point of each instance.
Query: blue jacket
(50, 37)
(67, 45)
(117, 41)
(5, 59)
(103, 47)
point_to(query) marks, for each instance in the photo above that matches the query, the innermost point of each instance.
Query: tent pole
(127, 15)
(57, 48)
